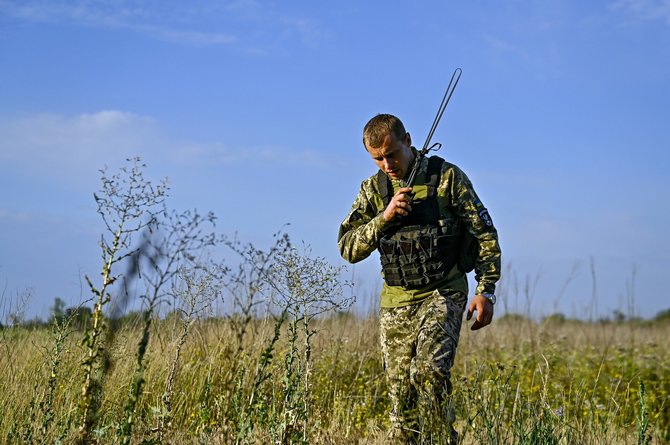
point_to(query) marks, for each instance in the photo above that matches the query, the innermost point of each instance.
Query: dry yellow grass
(516, 382)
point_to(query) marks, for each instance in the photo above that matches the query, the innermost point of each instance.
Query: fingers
(484, 313)
(400, 205)
(471, 310)
(489, 317)
(477, 325)
(403, 200)
(487, 313)
(481, 321)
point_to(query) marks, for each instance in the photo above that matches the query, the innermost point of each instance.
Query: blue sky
(254, 110)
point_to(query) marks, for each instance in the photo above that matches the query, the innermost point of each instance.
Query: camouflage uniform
(420, 326)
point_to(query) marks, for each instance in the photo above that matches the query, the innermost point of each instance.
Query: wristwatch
(490, 297)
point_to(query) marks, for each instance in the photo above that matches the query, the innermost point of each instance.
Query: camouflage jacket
(361, 230)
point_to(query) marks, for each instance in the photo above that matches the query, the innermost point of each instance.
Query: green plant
(127, 203)
(307, 287)
(643, 437)
(196, 289)
(171, 243)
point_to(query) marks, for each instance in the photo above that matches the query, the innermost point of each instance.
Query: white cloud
(644, 10)
(516, 51)
(55, 144)
(195, 38)
(309, 32)
(205, 24)
(129, 15)
(83, 12)
(19, 217)
(51, 141)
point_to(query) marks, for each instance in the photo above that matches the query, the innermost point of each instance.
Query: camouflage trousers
(418, 346)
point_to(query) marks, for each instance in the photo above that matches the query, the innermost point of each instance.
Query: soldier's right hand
(400, 205)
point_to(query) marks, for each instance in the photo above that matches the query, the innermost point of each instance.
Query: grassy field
(312, 375)
(231, 381)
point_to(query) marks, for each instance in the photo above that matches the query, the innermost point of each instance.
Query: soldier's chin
(394, 175)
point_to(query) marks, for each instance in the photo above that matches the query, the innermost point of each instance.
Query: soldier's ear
(408, 139)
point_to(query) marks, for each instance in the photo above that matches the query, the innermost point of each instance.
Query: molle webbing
(417, 256)
(421, 249)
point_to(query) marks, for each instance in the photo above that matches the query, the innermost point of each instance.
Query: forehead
(389, 146)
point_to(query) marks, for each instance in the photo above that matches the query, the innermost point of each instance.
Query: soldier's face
(394, 157)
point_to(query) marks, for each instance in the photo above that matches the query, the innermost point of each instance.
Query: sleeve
(362, 228)
(478, 222)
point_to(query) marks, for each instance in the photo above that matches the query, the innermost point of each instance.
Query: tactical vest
(423, 247)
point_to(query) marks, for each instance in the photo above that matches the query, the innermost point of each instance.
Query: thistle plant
(61, 330)
(255, 410)
(307, 287)
(196, 289)
(127, 203)
(244, 286)
(172, 242)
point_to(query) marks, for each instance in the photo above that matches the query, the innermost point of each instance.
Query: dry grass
(516, 382)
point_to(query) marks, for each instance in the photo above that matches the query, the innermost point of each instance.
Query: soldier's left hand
(484, 309)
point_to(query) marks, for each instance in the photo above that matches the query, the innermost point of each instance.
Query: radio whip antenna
(443, 106)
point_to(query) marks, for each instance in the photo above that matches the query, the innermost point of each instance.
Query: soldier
(428, 237)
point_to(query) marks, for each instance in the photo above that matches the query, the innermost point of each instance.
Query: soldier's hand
(400, 205)
(484, 309)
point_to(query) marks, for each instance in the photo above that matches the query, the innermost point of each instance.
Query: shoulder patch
(485, 217)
